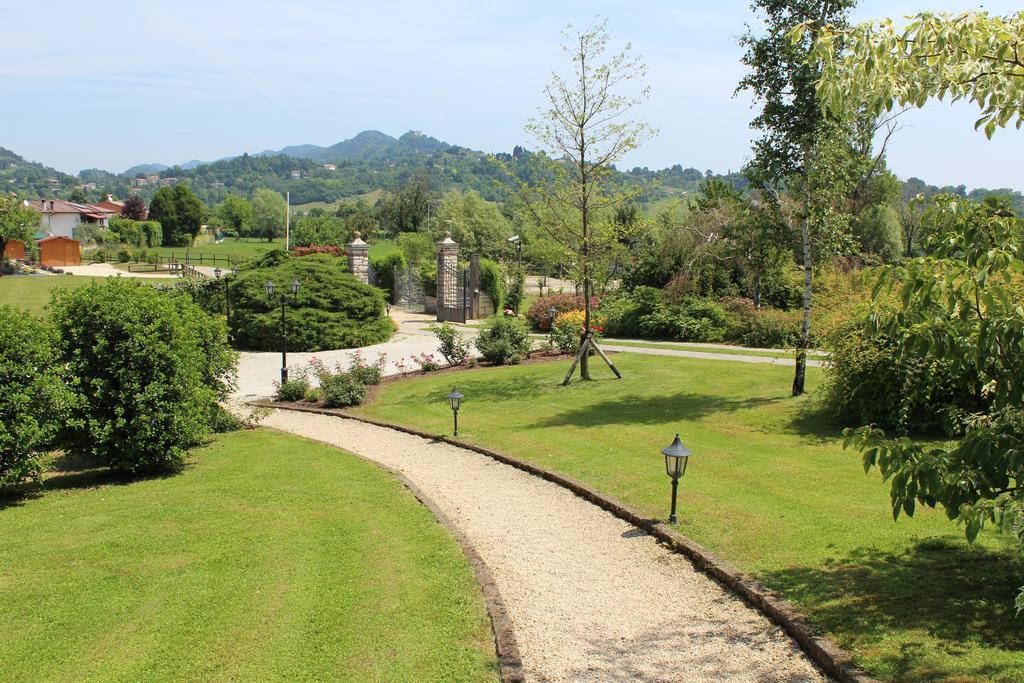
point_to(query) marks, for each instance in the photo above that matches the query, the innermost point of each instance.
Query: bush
(453, 346)
(205, 292)
(867, 382)
(774, 329)
(124, 255)
(538, 315)
(646, 313)
(147, 368)
(492, 283)
(33, 399)
(623, 310)
(341, 390)
(292, 390)
(503, 340)
(567, 332)
(333, 310)
(128, 231)
(386, 269)
(428, 277)
(367, 373)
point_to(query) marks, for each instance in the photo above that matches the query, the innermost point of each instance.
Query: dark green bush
(504, 339)
(645, 312)
(205, 292)
(428, 277)
(624, 309)
(341, 390)
(386, 269)
(492, 283)
(772, 328)
(333, 310)
(292, 390)
(33, 399)
(867, 382)
(147, 368)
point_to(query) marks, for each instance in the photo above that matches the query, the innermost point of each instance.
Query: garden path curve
(590, 596)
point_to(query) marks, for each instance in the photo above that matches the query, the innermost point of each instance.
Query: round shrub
(333, 310)
(147, 368)
(504, 339)
(292, 390)
(33, 399)
(868, 382)
(567, 332)
(341, 390)
(624, 309)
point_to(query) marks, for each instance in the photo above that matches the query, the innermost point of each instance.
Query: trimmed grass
(230, 249)
(269, 558)
(769, 487)
(706, 349)
(31, 293)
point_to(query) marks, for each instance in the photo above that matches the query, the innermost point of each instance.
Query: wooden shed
(14, 250)
(59, 251)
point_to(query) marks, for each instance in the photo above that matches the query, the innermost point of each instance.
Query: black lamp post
(284, 325)
(455, 400)
(676, 457)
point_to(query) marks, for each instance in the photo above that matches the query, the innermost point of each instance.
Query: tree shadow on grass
(958, 594)
(651, 410)
(68, 472)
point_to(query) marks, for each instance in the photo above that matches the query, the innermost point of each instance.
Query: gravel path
(590, 597)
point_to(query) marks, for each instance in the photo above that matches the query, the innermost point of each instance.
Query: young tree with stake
(585, 127)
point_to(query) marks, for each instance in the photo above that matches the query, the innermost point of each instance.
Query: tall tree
(235, 214)
(783, 77)
(268, 213)
(163, 209)
(585, 127)
(17, 221)
(189, 210)
(406, 209)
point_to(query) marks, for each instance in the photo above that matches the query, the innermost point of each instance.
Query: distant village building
(62, 219)
(109, 204)
(296, 174)
(330, 167)
(168, 181)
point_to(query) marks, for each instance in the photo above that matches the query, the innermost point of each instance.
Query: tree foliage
(406, 208)
(235, 214)
(959, 304)
(134, 208)
(268, 214)
(17, 221)
(971, 56)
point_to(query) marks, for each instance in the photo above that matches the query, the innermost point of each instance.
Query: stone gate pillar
(447, 274)
(359, 258)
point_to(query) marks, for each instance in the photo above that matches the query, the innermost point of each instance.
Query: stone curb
(823, 651)
(505, 643)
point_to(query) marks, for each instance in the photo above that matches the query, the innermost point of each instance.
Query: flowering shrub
(317, 249)
(341, 391)
(367, 373)
(568, 330)
(453, 346)
(538, 315)
(426, 361)
(401, 366)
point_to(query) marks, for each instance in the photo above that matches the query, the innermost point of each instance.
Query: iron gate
(453, 295)
(409, 288)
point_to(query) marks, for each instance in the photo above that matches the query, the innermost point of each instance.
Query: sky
(112, 84)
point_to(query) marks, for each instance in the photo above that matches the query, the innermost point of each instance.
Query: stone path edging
(823, 651)
(505, 644)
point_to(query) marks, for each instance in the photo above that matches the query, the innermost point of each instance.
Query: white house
(61, 218)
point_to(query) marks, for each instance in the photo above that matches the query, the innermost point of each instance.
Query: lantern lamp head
(269, 286)
(234, 271)
(676, 457)
(455, 399)
(217, 272)
(295, 287)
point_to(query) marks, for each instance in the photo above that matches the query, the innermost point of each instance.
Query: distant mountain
(144, 170)
(369, 145)
(29, 177)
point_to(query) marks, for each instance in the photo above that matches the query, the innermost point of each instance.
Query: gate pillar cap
(447, 242)
(357, 241)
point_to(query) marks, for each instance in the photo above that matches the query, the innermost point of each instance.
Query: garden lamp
(295, 287)
(234, 271)
(676, 457)
(269, 287)
(217, 272)
(455, 400)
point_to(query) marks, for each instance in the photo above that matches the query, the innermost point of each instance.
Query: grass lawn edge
(505, 643)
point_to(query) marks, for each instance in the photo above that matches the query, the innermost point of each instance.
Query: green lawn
(769, 487)
(227, 250)
(706, 349)
(32, 293)
(269, 558)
